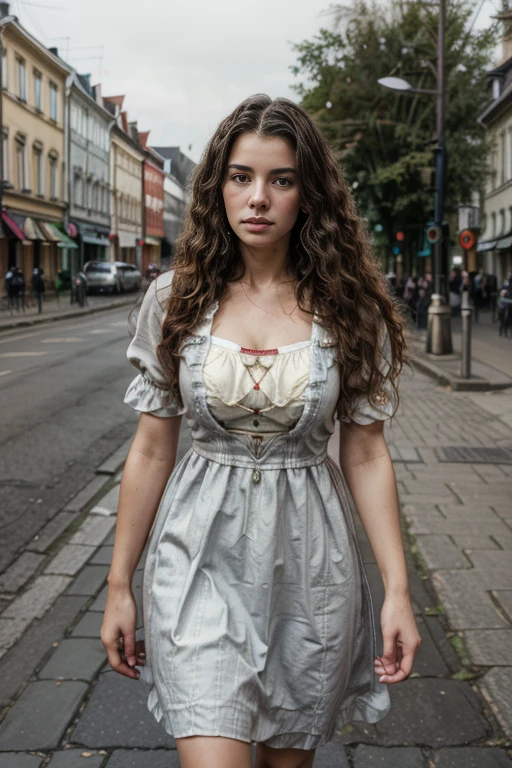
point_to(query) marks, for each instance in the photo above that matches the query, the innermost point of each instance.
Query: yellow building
(33, 155)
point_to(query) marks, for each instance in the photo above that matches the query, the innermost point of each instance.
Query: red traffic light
(400, 236)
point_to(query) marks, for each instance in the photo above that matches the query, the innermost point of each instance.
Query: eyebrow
(248, 168)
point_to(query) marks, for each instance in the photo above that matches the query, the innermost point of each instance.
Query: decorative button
(256, 423)
(256, 476)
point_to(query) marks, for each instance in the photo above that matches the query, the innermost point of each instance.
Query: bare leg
(268, 757)
(213, 752)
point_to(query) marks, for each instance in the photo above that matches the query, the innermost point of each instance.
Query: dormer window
(496, 87)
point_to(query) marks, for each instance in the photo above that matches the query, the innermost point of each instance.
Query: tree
(384, 140)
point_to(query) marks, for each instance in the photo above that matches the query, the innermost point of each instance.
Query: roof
(12, 21)
(181, 165)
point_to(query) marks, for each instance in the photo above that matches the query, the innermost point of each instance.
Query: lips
(256, 220)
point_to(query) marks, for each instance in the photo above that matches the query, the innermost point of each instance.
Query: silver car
(112, 276)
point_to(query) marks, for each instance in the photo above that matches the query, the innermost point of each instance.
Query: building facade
(494, 248)
(89, 170)
(33, 153)
(126, 182)
(178, 169)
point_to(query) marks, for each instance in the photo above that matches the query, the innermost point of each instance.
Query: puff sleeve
(149, 391)
(362, 411)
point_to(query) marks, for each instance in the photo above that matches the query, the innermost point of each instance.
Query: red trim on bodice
(261, 352)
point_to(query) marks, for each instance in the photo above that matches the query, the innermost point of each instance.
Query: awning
(17, 232)
(63, 240)
(47, 229)
(92, 240)
(128, 239)
(32, 231)
(504, 243)
(486, 245)
(152, 240)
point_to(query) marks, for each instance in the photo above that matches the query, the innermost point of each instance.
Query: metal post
(465, 367)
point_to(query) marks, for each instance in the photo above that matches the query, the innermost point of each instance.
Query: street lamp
(439, 337)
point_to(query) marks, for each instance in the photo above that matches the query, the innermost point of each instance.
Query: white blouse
(256, 391)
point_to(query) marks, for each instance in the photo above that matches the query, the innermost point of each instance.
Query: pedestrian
(38, 287)
(258, 621)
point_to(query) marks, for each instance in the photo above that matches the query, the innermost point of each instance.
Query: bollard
(439, 330)
(465, 362)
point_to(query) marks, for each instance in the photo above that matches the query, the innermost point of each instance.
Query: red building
(153, 204)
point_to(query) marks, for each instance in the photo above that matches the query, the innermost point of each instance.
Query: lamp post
(439, 338)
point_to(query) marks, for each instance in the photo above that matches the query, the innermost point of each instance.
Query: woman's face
(261, 181)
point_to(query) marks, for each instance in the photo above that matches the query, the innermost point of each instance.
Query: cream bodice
(256, 391)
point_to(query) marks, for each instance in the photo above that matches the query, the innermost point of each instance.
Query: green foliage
(385, 140)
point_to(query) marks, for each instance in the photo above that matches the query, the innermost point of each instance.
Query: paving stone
(74, 758)
(89, 580)
(490, 647)
(456, 524)
(446, 713)
(428, 660)
(110, 538)
(439, 551)
(495, 567)
(103, 556)
(19, 760)
(105, 724)
(504, 597)
(108, 504)
(93, 530)
(469, 541)
(78, 502)
(388, 757)
(89, 625)
(75, 659)
(70, 559)
(11, 630)
(20, 571)
(41, 715)
(114, 462)
(134, 758)
(466, 601)
(331, 755)
(38, 598)
(18, 665)
(471, 757)
(51, 531)
(496, 686)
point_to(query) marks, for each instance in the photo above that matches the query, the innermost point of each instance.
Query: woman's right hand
(118, 631)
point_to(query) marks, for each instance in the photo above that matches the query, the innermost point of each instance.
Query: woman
(257, 613)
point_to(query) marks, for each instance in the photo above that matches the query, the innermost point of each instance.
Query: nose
(259, 196)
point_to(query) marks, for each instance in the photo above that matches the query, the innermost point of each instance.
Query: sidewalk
(54, 310)
(61, 703)
(491, 357)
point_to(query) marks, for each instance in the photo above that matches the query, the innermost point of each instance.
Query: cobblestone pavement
(63, 707)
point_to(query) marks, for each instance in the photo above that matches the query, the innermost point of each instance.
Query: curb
(456, 383)
(66, 315)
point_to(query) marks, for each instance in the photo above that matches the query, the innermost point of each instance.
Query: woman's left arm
(368, 470)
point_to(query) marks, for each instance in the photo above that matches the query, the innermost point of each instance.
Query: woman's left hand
(401, 640)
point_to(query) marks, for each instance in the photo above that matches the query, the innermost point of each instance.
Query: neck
(264, 266)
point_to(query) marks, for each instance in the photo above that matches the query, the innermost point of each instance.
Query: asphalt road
(62, 413)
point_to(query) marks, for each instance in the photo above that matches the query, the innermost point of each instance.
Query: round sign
(467, 239)
(396, 250)
(72, 229)
(433, 233)
(400, 236)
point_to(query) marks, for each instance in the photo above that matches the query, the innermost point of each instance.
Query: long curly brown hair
(330, 256)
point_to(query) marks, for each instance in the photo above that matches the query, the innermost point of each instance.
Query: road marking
(64, 340)
(119, 322)
(18, 338)
(4, 373)
(99, 330)
(22, 354)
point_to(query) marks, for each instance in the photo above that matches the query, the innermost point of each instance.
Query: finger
(403, 671)
(116, 662)
(129, 648)
(389, 653)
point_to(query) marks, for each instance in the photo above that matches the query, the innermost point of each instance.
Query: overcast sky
(183, 64)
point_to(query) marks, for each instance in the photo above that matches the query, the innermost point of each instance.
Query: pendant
(256, 476)
(256, 386)
(256, 411)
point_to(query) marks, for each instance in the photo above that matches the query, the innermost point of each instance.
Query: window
(503, 158)
(5, 153)
(87, 201)
(4, 70)
(78, 190)
(22, 80)
(38, 171)
(493, 219)
(502, 222)
(21, 164)
(53, 176)
(95, 196)
(37, 90)
(53, 101)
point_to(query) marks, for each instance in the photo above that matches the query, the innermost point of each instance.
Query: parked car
(112, 276)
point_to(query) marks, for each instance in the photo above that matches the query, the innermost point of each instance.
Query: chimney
(4, 10)
(55, 51)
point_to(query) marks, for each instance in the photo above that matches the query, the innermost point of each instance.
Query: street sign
(467, 239)
(433, 233)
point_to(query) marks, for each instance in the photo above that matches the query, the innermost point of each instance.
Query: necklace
(280, 302)
(256, 363)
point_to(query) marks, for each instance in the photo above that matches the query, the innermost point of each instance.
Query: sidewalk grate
(460, 454)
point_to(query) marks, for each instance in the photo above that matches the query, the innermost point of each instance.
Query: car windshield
(98, 267)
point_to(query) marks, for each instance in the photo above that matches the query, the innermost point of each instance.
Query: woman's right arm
(148, 466)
